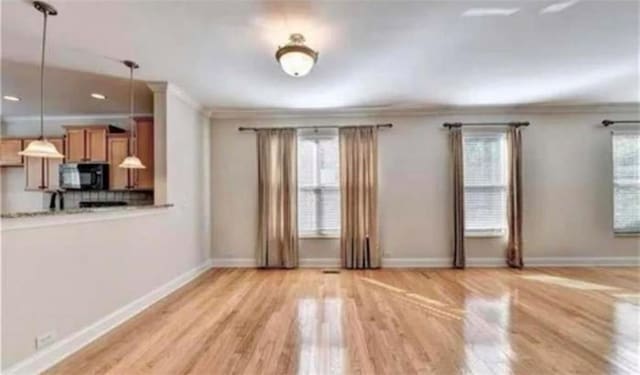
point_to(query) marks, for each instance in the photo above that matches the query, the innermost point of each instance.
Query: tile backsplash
(72, 199)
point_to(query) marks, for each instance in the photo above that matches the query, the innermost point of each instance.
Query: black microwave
(84, 176)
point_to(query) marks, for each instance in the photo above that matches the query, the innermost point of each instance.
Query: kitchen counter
(75, 211)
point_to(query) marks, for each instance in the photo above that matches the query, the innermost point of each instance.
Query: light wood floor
(477, 321)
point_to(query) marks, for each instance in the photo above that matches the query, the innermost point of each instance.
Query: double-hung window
(626, 182)
(485, 183)
(318, 183)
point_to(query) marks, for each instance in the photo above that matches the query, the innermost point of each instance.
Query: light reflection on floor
(626, 339)
(567, 282)
(486, 335)
(322, 346)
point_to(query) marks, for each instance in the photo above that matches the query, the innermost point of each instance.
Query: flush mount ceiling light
(98, 96)
(131, 161)
(295, 58)
(41, 148)
(11, 98)
(484, 12)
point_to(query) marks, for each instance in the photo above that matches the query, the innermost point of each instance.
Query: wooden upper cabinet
(143, 178)
(88, 143)
(9, 149)
(119, 178)
(40, 173)
(75, 145)
(96, 144)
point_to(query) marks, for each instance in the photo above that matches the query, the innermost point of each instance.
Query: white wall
(567, 189)
(12, 179)
(65, 277)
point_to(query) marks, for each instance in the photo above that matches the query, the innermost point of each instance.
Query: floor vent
(331, 270)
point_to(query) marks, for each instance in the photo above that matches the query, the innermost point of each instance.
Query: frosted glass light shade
(297, 63)
(132, 162)
(41, 148)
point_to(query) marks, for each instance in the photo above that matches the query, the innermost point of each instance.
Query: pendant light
(41, 148)
(295, 58)
(131, 161)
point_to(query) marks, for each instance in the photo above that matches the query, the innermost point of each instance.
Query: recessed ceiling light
(11, 98)
(95, 95)
(483, 12)
(558, 7)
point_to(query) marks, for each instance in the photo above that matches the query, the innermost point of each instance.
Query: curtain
(359, 246)
(514, 204)
(457, 157)
(277, 198)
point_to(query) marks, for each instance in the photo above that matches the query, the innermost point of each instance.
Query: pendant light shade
(295, 58)
(131, 161)
(42, 148)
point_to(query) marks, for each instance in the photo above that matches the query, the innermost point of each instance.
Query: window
(485, 183)
(318, 184)
(626, 182)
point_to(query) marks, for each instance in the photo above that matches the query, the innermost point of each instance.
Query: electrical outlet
(45, 339)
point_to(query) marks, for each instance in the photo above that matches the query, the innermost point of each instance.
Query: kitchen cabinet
(143, 178)
(88, 143)
(118, 147)
(41, 173)
(9, 148)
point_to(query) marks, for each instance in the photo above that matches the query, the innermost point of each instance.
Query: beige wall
(65, 277)
(567, 187)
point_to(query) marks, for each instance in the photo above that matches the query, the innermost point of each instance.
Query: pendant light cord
(131, 120)
(44, 42)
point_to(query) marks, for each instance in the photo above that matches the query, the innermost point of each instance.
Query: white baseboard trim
(53, 354)
(478, 262)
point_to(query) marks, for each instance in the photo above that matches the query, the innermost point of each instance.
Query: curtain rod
(242, 128)
(607, 123)
(517, 124)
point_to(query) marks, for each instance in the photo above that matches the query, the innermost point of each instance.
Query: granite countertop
(75, 211)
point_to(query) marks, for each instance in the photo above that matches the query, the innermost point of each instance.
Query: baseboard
(48, 357)
(475, 262)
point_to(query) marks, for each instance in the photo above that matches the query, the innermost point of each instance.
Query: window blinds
(626, 182)
(318, 183)
(485, 182)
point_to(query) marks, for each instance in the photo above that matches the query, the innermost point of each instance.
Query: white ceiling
(383, 54)
(69, 92)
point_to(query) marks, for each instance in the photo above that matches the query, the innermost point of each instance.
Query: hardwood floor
(476, 321)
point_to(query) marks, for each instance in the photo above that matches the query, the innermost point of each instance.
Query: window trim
(492, 232)
(620, 232)
(319, 188)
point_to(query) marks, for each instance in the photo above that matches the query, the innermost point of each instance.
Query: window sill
(484, 234)
(626, 234)
(319, 236)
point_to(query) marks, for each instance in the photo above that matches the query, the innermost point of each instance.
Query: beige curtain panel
(514, 204)
(457, 158)
(359, 244)
(277, 198)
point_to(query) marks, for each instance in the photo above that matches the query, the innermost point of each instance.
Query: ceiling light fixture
(11, 98)
(295, 58)
(41, 148)
(98, 96)
(131, 161)
(484, 12)
(558, 7)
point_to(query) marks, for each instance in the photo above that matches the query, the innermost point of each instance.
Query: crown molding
(422, 111)
(170, 88)
(75, 117)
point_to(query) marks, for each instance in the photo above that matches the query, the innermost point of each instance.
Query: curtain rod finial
(606, 123)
